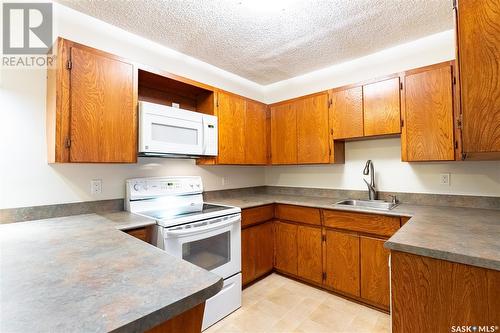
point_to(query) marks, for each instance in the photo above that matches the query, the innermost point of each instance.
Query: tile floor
(279, 304)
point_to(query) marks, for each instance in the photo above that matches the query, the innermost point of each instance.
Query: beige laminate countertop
(464, 235)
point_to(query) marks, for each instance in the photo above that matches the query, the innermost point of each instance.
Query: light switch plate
(96, 186)
(444, 179)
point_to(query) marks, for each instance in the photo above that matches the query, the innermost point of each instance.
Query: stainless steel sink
(371, 204)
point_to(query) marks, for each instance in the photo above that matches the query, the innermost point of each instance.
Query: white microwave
(166, 131)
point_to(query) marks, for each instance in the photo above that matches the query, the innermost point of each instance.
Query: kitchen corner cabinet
(91, 106)
(428, 129)
(300, 132)
(479, 71)
(242, 131)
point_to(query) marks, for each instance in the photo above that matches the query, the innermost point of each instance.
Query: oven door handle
(209, 227)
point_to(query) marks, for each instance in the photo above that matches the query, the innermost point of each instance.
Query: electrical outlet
(96, 186)
(444, 179)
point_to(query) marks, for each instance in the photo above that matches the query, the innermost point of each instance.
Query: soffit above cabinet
(269, 41)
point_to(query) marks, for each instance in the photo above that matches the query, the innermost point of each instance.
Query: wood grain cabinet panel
(248, 256)
(310, 266)
(479, 58)
(264, 237)
(257, 251)
(231, 117)
(380, 225)
(255, 133)
(284, 134)
(342, 262)
(103, 120)
(254, 215)
(374, 271)
(381, 107)
(298, 214)
(428, 133)
(313, 129)
(285, 247)
(431, 295)
(347, 108)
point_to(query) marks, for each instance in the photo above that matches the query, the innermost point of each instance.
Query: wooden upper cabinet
(284, 134)
(255, 133)
(428, 131)
(313, 129)
(479, 58)
(347, 108)
(381, 107)
(231, 117)
(91, 107)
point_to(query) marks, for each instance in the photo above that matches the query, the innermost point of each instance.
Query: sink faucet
(372, 193)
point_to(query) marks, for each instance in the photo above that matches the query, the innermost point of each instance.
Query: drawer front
(370, 223)
(250, 216)
(298, 214)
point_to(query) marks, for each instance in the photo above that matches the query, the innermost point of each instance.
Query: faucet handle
(394, 199)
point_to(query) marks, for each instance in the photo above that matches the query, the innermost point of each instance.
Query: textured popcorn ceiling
(271, 40)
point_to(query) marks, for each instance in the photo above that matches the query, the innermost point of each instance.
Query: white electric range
(204, 234)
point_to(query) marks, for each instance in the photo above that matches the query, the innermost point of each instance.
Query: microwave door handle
(195, 230)
(204, 135)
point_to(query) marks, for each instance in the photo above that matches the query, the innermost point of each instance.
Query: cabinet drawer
(298, 214)
(256, 215)
(370, 223)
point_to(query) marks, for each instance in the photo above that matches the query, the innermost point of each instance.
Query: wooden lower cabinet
(285, 247)
(342, 262)
(189, 321)
(309, 259)
(256, 251)
(432, 295)
(374, 271)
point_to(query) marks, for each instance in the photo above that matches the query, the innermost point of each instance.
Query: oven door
(213, 244)
(167, 130)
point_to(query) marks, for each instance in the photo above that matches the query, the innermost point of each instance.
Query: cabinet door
(313, 130)
(284, 134)
(309, 253)
(428, 127)
(247, 256)
(285, 247)
(342, 262)
(374, 271)
(103, 126)
(264, 239)
(479, 56)
(381, 107)
(231, 114)
(255, 133)
(347, 108)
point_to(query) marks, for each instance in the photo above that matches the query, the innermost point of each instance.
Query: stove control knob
(136, 187)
